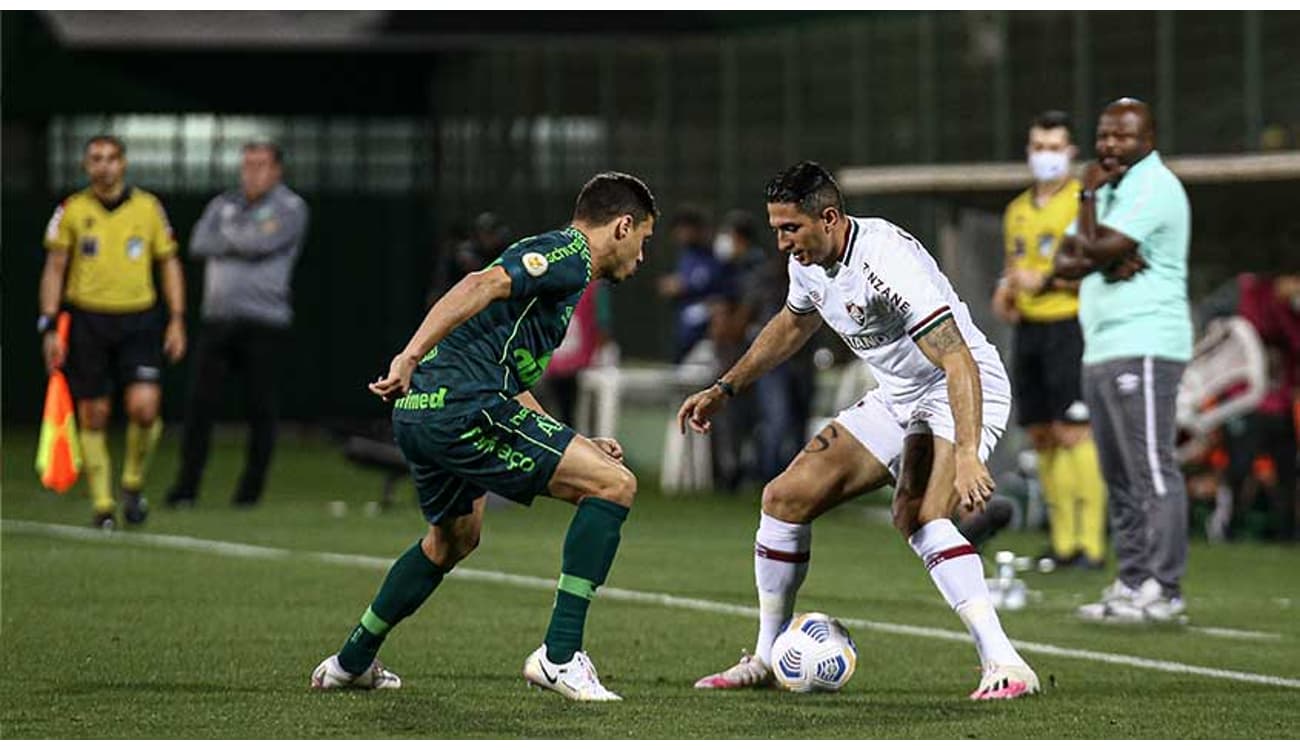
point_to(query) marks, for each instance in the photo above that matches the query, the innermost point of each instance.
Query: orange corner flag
(58, 457)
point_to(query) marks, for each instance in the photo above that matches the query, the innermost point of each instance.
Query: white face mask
(724, 247)
(1049, 165)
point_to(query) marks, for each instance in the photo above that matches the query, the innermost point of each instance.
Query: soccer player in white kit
(942, 404)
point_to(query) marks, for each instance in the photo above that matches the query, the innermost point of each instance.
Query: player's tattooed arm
(945, 347)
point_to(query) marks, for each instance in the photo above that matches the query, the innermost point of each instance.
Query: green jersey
(504, 349)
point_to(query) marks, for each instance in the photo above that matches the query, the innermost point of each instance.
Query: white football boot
(1006, 681)
(330, 675)
(575, 679)
(750, 671)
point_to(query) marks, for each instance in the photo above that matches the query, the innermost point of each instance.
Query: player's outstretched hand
(394, 384)
(973, 483)
(610, 447)
(697, 409)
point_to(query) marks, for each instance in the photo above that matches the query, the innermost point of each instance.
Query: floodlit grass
(103, 638)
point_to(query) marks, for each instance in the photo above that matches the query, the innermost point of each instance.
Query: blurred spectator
(779, 403)
(588, 333)
(249, 240)
(1048, 345)
(697, 280)
(1271, 304)
(1130, 248)
(487, 240)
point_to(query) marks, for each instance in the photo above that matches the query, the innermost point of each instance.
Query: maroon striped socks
(780, 565)
(957, 571)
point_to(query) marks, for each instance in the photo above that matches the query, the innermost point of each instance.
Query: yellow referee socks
(1090, 489)
(98, 472)
(1055, 475)
(140, 442)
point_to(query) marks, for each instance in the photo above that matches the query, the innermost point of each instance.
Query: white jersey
(881, 298)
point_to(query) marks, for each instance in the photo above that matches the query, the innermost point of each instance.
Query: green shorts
(505, 448)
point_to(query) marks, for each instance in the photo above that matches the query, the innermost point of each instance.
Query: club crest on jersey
(135, 248)
(856, 312)
(535, 264)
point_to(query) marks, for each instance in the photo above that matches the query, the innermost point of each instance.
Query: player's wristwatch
(1086, 194)
(727, 389)
(44, 324)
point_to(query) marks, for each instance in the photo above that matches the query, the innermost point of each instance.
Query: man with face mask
(249, 240)
(1129, 246)
(1048, 346)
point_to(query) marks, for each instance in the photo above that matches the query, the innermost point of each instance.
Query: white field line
(250, 551)
(1241, 635)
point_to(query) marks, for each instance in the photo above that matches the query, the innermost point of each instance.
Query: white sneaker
(1166, 609)
(1122, 604)
(750, 671)
(575, 679)
(1117, 605)
(1006, 681)
(330, 675)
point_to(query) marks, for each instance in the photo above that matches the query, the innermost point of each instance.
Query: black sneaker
(104, 520)
(135, 509)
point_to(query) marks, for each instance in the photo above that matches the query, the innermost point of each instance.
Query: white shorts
(881, 424)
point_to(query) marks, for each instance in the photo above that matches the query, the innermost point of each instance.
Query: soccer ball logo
(814, 653)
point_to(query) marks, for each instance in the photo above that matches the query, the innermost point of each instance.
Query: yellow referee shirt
(111, 252)
(1032, 235)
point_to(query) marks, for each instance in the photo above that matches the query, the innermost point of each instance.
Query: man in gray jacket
(249, 240)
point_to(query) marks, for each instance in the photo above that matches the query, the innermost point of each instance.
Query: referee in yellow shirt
(1048, 348)
(102, 244)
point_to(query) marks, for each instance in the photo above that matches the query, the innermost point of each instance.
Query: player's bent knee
(784, 502)
(616, 484)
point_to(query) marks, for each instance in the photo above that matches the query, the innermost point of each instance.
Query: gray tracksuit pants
(1132, 401)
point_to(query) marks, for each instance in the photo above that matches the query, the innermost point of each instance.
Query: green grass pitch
(104, 638)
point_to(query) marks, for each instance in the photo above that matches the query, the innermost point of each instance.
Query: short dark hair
(809, 186)
(106, 138)
(1052, 119)
(259, 145)
(610, 195)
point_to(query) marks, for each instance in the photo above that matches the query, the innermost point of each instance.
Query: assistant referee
(1048, 346)
(102, 244)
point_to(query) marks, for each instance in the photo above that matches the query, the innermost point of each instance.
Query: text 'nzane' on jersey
(883, 296)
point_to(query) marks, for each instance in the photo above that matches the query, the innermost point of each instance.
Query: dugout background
(399, 135)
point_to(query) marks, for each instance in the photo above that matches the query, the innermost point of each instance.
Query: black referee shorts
(103, 347)
(1047, 372)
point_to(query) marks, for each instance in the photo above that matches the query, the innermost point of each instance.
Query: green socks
(589, 549)
(409, 582)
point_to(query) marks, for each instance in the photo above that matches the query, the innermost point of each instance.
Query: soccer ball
(814, 653)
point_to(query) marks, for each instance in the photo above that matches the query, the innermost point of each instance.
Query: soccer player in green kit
(467, 423)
